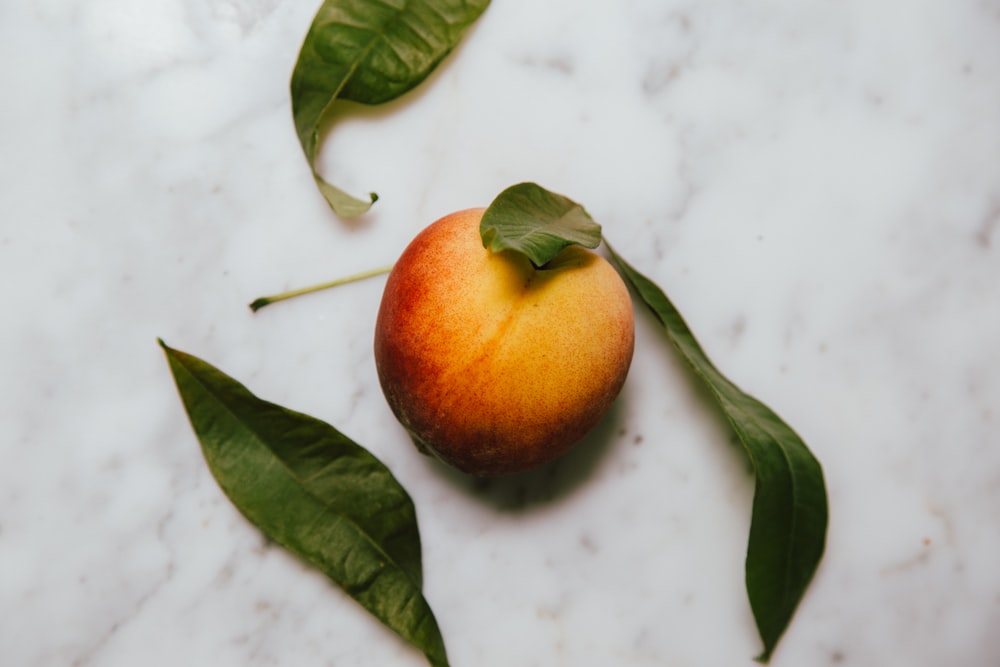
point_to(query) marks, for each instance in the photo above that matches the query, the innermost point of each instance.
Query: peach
(491, 364)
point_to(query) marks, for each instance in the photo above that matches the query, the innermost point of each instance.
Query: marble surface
(816, 184)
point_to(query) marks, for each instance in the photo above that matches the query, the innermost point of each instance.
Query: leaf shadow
(548, 484)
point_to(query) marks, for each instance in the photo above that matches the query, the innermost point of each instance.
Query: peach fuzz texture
(490, 364)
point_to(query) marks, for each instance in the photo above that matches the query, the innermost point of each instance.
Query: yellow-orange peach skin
(492, 365)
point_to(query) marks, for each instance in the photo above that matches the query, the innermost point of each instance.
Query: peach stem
(268, 300)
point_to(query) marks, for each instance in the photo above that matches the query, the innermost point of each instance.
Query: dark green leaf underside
(315, 492)
(528, 219)
(369, 51)
(789, 520)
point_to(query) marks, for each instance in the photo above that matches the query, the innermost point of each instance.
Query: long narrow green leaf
(789, 520)
(314, 491)
(369, 51)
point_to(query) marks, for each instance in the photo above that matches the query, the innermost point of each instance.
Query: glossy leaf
(369, 51)
(789, 520)
(315, 492)
(529, 219)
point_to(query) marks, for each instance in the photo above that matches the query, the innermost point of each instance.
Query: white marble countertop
(816, 184)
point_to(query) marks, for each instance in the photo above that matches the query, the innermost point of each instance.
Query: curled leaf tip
(342, 203)
(370, 53)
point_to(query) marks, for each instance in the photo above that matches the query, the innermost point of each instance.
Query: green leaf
(528, 219)
(789, 520)
(315, 492)
(369, 51)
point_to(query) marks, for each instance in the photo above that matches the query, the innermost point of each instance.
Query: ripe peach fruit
(491, 364)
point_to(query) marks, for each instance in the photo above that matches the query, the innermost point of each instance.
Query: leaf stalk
(259, 303)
